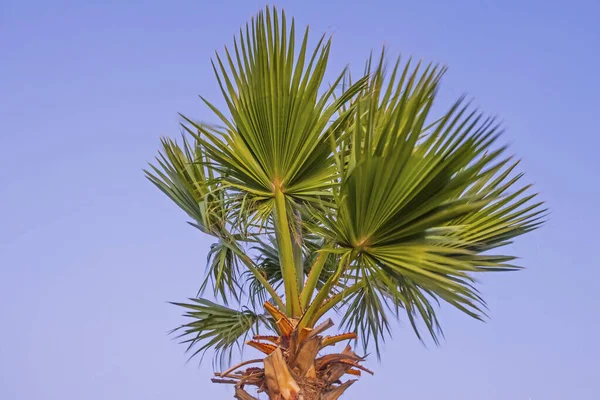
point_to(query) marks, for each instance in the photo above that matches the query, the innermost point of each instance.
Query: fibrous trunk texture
(293, 368)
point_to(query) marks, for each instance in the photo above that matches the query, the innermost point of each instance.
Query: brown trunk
(293, 369)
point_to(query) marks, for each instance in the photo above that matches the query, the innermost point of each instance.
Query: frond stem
(333, 301)
(286, 255)
(313, 279)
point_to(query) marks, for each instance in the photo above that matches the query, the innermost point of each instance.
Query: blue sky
(90, 252)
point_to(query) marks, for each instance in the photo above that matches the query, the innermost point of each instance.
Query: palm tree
(348, 199)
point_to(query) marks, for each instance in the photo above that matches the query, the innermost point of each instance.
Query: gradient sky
(90, 252)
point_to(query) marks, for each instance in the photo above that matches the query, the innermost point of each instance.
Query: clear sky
(90, 252)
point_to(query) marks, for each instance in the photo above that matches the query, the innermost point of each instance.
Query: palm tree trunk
(293, 368)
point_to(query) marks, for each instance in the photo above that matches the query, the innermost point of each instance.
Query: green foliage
(216, 327)
(356, 200)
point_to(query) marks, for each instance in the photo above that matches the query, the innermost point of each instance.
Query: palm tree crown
(350, 197)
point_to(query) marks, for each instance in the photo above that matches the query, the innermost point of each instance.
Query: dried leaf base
(293, 369)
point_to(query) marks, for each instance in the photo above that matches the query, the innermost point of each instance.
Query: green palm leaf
(186, 178)
(216, 327)
(419, 206)
(277, 132)
(189, 184)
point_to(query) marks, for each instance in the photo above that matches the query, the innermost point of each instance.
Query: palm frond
(189, 183)
(216, 327)
(421, 205)
(268, 266)
(222, 273)
(366, 314)
(276, 134)
(187, 179)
